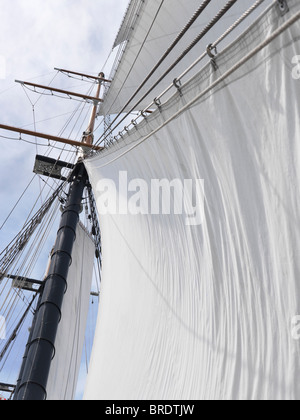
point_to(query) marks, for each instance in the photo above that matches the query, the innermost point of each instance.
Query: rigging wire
(36, 141)
(27, 189)
(10, 302)
(28, 264)
(196, 15)
(244, 60)
(37, 244)
(138, 54)
(202, 56)
(25, 262)
(17, 203)
(49, 119)
(26, 267)
(208, 27)
(62, 149)
(52, 80)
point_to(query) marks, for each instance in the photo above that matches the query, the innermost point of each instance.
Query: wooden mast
(46, 136)
(88, 137)
(64, 92)
(100, 77)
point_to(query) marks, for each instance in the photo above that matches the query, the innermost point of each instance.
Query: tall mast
(88, 137)
(40, 349)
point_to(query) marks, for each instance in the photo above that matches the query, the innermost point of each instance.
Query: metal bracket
(157, 102)
(177, 83)
(209, 49)
(283, 7)
(50, 167)
(134, 123)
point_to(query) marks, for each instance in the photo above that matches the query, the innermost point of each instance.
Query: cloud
(41, 34)
(35, 37)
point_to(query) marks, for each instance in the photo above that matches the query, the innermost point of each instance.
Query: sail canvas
(148, 30)
(208, 311)
(65, 366)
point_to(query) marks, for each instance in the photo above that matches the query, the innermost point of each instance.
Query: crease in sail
(65, 366)
(155, 28)
(206, 312)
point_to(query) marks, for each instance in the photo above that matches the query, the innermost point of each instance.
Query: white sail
(208, 311)
(71, 331)
(149, 28)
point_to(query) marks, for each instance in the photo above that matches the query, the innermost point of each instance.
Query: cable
(244, 60)
(202, 56)
(212, 23)
(162, 59)
(15, 206)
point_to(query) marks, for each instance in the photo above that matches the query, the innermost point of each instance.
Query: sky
(35, 37)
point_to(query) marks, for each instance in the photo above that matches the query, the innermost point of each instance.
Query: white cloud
(35, 37)
(42, 34)
(2, 67)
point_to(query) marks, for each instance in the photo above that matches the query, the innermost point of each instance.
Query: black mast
(40, 350)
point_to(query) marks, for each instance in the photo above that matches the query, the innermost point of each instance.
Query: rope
(233, 69)
(15, 206)
(166, 54)
(212, 23)
(202, 56)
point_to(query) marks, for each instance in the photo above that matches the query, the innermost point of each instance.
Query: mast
(40, 348)
(88, 137)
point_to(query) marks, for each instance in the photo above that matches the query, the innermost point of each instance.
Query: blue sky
(35, 37)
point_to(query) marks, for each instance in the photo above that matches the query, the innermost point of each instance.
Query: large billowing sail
(71, 332)
(205, 306)
(148, 29)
